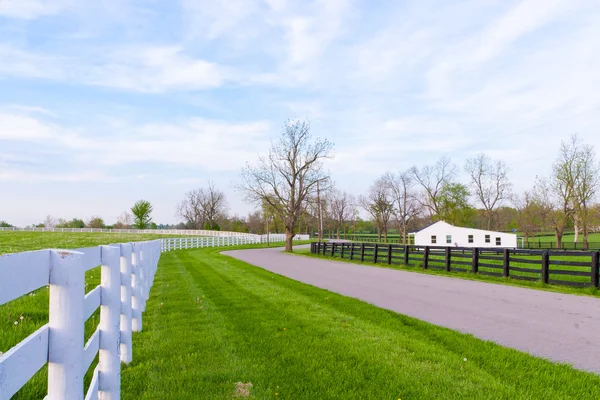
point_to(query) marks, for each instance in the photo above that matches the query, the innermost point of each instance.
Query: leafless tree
(406, 204)
(203, 208)
(490, 183)
(380, 205)
(341, 206)
(124, 221)
(433, 179)
(288, 175)
(50, 222)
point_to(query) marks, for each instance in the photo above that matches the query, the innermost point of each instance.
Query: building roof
(459, 227)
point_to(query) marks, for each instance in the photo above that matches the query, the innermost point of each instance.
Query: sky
(107, 102)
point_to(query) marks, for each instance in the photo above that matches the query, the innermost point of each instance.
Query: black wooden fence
(558, 267)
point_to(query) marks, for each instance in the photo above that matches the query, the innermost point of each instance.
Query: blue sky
(103, 103)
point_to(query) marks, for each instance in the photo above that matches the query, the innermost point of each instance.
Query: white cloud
(29, 9)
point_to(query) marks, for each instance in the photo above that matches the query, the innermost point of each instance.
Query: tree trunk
(559, 236)
(289, 236)
(585, 236)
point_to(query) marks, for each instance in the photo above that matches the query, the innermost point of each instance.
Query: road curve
(559, 327)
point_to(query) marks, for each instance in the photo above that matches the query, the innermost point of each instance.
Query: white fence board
(92, 301)
(91, 257)
(91, 349)
(21, 362)
(22, 273)
(92, 393)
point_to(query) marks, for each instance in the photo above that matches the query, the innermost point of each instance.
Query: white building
(444, 234)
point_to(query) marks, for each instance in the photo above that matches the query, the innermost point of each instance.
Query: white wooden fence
(198, 242)
(127, 273)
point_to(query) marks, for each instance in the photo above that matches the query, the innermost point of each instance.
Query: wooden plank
(570, 253)
(570, 263)
(495, 258)
(91, 349)
(529, 270)
(569, 272)
(486, 265)
(23, 273)
(91, 257)
(455, 262)
(20, 363)
(596, 269)
(453, 269)
(524, 278)
(92, 301)
(499, 274)
(92, 393)
(568, 283)
(525, 261)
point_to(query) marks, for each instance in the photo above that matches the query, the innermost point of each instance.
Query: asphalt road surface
(560, 327)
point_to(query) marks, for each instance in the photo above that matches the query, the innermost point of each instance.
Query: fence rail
(199, 242)
(191, 232)
(569, 268)
(127, 273)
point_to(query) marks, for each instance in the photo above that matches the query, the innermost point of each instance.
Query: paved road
(559, 327)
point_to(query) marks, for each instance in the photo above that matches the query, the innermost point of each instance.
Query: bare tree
(124, 221)
(406, 204)
(380, 205)
(288, 175)
(489, 181)
(587, 180)
(554, 197)
(433, 179)
(50, 222)
(203, 208)
(341, 207)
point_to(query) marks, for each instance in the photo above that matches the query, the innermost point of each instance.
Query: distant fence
(127, 273)
(191, 232)
(199, 242)
(533, 244)
(570, 268)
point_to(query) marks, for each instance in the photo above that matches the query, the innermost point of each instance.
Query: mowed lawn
(218, 328)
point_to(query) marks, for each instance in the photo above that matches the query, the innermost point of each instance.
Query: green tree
(141, 211)
(4, 224)
(95, 222)
(453, 205)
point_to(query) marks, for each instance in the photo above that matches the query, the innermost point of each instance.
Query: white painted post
(126, 350)
(109, 365)
(136, 322)
(65, 339)
(143, 276)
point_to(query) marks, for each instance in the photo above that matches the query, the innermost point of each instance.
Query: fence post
(342, 251)
(351, 251)
(546, 266)
(448, 258)
(506, 263)
(406, 253)
(136, 301)
(375, 253)
(475, 262)
(126, 351)
(109, 365)
(65, 338)
(333, 249)
(425, 257)
(362, 252)
(389, 254)
(324, 247)
(595, 269)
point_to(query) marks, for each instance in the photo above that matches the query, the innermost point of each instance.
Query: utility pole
(320, 212)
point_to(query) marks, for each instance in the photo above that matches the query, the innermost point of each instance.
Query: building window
(449, 239)
(487, 238)
(433, 239)
(470, 238)
(498, 241)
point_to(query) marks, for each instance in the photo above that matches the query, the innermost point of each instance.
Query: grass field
(218, 328)
(14, 242)
(416, 266)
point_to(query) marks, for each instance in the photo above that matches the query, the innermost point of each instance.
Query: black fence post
(475, 262)
(426, 257)
(595, 269)
(389, 254)
(333, 248)
(448, 258)
(375, 253)
(546, 266)
(362, 252)
(406, 254)
(342, 252)
(352, 251)
(324, 247)
(506, 264)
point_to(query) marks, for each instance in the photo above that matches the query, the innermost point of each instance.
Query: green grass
(213, 321)
(14, 242)
(417, 267)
